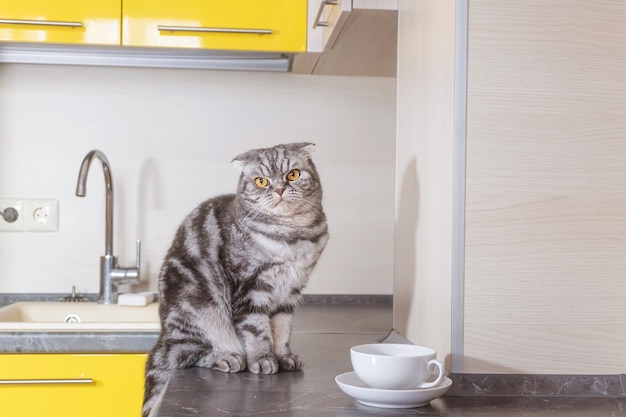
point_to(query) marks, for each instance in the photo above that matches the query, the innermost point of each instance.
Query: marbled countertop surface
(313, 392)
(77, 342)
(323, 338)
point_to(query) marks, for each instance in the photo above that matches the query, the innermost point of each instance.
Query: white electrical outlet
(41, 215)
(18, 224)
(34, 215)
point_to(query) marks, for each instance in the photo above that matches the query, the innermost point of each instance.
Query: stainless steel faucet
(111, 274)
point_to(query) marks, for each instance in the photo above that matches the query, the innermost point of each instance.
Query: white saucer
(352, 385)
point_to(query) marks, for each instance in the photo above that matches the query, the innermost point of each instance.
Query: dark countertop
(313, 392)
(323, 338)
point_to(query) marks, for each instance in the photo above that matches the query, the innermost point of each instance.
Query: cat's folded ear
(302, 147)
(240, 161)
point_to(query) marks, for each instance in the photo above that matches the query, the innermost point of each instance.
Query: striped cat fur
(234, 273)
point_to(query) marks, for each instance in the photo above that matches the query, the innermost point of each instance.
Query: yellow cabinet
(61, 21)
(268, 25)
(71, 385)
(243, 25)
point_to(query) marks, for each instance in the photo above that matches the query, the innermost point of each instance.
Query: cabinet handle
(213, 30)
(40, 23)
(45, 381)
(323, 4)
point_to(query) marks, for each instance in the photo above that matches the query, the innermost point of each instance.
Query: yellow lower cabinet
(71, 385)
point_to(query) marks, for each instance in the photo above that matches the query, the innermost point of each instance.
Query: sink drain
(72, 318)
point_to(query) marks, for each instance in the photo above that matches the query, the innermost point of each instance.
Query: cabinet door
(71, 385)
(325, 17)
(61, 21)
(255, 25)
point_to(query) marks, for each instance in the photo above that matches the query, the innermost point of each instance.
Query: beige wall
(169, 135)
(423, 256)
(546, 187)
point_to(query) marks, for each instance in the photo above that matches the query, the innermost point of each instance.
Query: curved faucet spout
(81, 191)
(111, 274)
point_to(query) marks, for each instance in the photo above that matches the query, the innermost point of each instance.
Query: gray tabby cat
(233, 276)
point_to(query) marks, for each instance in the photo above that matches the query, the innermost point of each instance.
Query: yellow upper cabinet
(259, 25)
(61, 21)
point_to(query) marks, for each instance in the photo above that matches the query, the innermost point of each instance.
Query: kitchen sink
(77, 317)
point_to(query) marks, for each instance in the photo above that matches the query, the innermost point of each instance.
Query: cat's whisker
(310, 206)
(252, 216)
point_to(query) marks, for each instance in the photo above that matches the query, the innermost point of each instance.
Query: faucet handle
(138, 257)
(133, 274)
(121, 275)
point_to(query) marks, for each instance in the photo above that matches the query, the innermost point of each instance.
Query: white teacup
(396, 366)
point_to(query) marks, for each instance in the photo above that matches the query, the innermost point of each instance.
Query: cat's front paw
(263, 365)
(290, 362)
(229, 362)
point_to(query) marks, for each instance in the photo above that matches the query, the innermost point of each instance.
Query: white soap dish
(135, 299)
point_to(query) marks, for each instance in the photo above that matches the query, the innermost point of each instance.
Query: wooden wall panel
(424, 166)
(546, 187)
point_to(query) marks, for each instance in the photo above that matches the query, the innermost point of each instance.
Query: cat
(234, 273)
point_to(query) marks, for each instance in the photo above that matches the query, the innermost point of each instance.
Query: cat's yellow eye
(293, 175)
(261, 182)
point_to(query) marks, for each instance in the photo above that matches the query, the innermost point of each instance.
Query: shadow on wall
(147, 194)
(4, 175)
(406, 246)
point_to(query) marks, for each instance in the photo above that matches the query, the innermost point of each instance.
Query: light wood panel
(423, 239)
(365, 46)
(546, 187)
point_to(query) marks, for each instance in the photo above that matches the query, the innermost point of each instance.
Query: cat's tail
(155, 386)
(156, 380)
(165, 358)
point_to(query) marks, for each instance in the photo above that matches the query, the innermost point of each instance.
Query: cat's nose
(279, 191)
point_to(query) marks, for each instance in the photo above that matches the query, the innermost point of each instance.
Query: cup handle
(442, 374)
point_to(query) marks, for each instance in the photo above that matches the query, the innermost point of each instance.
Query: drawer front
(256, 25)
(69, 385)
(61, 21)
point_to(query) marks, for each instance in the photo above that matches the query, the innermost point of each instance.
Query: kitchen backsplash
(169, 136)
